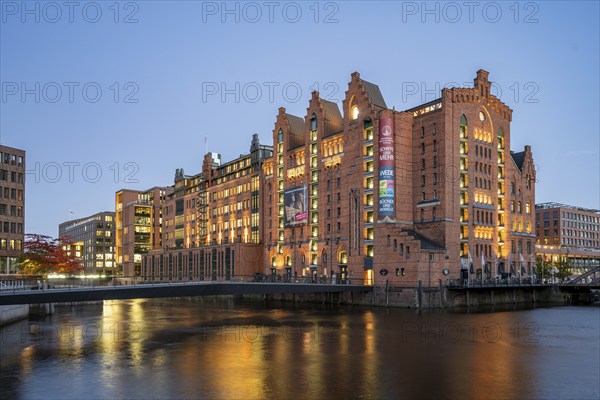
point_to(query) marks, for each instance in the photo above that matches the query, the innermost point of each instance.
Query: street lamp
(294, 259)
(330, 176)
(429, 277)
(566, 263)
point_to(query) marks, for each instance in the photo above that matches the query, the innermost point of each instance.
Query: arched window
(280, 136)
(463, 127)
(343, 257)
(313, 123)
(353, 109)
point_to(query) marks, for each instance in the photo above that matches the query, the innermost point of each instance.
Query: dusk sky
(106, 95)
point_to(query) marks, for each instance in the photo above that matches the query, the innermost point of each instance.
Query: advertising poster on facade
(296, 206)
(386, 167)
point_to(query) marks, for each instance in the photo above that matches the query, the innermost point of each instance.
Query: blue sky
(102, 92)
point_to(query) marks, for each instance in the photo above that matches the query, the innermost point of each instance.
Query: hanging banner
(296, 208)
(386, 167)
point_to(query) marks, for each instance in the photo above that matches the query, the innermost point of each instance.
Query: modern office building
(12, 207)
(138, 226)
(568, 232)
(364, 193)
(92, 239)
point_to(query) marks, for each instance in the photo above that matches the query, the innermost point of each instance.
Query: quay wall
(10, 314)
(437, 297)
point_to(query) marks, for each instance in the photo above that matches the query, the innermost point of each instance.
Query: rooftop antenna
(205, 144)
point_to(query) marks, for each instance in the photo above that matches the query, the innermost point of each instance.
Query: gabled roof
(374, 94)
(332, 112)
(426, 243)
(518, 158)
(296, 137)
(334, 122)
(296, 124)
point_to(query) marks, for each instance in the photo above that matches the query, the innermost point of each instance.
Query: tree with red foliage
(44, 255)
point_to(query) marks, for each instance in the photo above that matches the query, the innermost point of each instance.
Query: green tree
(563, 268)
(543, 269)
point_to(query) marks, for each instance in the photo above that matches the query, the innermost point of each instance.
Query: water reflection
(209, 348)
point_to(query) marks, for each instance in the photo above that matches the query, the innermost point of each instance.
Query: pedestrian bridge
(61, 294)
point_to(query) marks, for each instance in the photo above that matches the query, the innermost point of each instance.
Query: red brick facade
(458, 189)
(368, 193)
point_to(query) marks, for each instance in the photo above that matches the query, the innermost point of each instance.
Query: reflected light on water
(168, 348)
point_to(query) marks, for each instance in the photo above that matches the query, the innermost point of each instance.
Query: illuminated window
(463, 127)
(353, 109)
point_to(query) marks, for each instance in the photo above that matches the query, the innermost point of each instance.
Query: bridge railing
(584, 277)
(117, 281)
(13, 285)
(497, 282)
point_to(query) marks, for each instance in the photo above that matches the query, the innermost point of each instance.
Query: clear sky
(106, 95)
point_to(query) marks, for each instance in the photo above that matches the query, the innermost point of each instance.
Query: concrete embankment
(434, 297)
(14, 313)
(10, 314)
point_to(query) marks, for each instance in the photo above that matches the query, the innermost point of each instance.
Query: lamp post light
(566, 259)
(294, 262)
(429, 278)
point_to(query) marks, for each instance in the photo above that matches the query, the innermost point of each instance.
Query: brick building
(212, 221)
(92, 239)
(364, 193)
(138, 226)
(405, 196)
(12, 207)
(568, 232)
(180, 213)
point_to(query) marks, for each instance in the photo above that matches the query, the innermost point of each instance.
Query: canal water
(228, 349)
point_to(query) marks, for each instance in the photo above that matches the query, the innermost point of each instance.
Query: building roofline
(549, 205)
(438, 100)
(12, 148)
